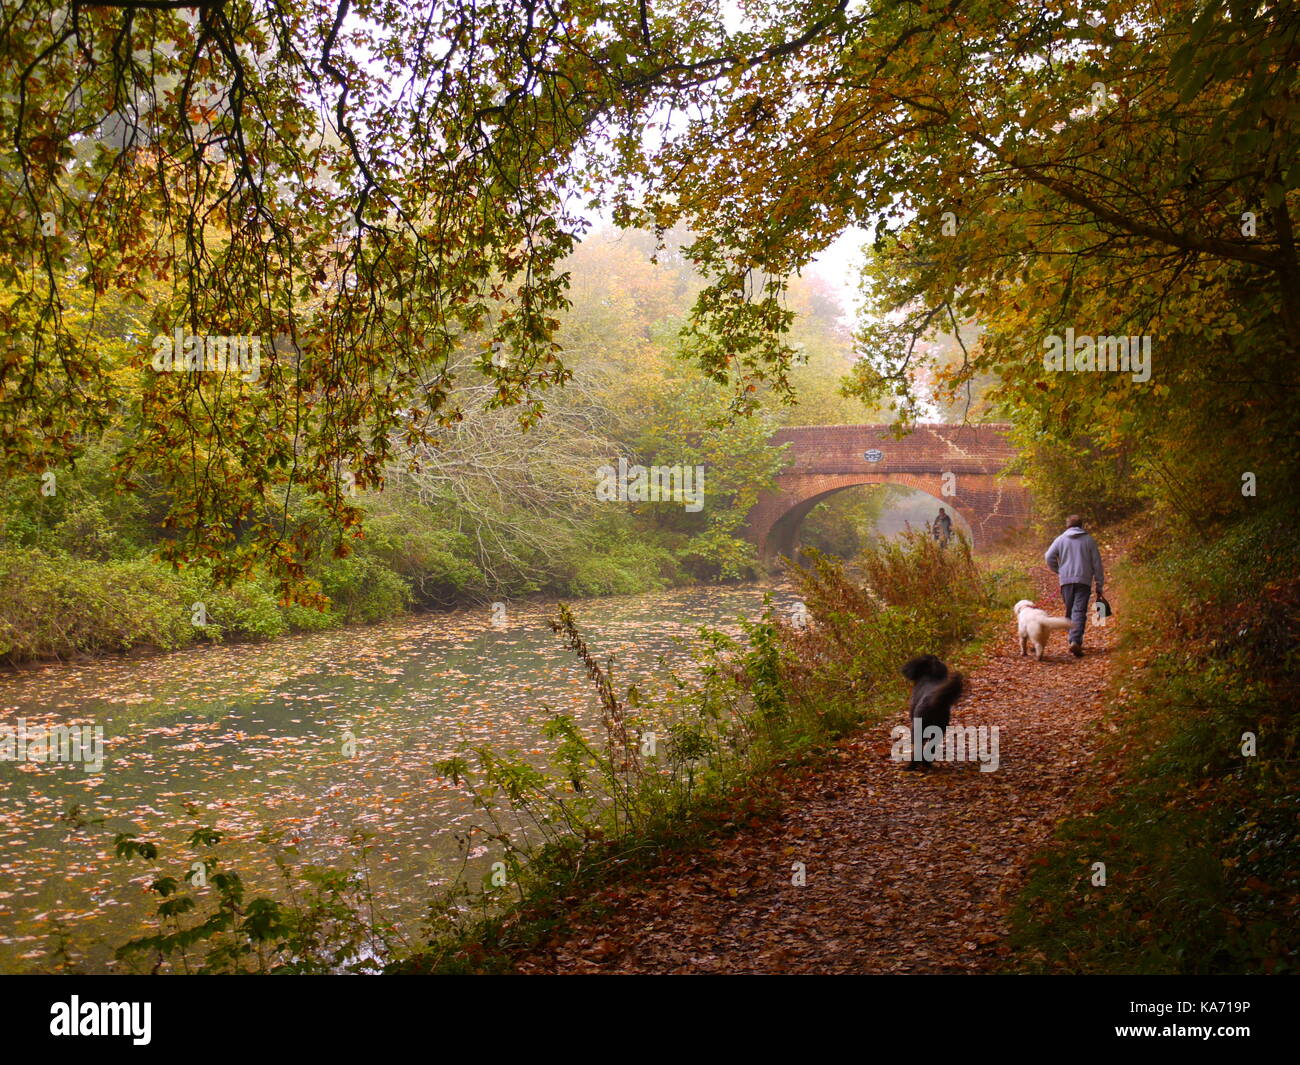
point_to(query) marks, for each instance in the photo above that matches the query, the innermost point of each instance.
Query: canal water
(252, 738)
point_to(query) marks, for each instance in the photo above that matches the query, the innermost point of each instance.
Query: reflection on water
(253, 737)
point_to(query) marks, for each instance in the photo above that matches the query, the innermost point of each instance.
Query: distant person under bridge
(941, 527)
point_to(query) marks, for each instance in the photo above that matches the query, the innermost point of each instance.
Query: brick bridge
(826, 459)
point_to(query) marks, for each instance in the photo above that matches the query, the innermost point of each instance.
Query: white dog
(1036, 627)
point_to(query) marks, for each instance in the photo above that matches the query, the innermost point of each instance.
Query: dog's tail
(1057, 623)
(943, 696)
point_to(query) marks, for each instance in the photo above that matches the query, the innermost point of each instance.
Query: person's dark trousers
(1076, 609)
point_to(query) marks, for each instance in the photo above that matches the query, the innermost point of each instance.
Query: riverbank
(864, 867)
(58, 609)
(793, 693)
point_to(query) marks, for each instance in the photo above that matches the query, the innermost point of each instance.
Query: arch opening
(869, 510)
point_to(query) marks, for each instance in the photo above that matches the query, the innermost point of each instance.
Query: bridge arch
(958, 465)
(783, 539)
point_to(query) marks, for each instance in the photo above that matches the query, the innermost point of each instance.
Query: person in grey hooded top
(1075, 559)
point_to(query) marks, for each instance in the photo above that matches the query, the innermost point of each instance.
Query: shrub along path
(906, 872)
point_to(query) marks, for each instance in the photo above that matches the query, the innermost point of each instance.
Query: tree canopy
(385, 192)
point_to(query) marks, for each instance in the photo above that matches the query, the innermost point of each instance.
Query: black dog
(934, 690)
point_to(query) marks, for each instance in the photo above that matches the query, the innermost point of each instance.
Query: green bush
(939, 583)
(363, 590)
(85, 517)
(621, 567)
(1078, 476)
(308, 619)
(246, 611)
(436, 563)
(57, 607)
(52, 606)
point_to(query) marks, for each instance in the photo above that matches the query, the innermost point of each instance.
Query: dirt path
(906, 872)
